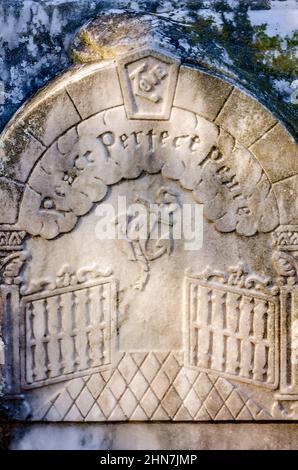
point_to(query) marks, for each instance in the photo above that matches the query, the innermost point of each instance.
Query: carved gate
(233, 328)
(67, 332)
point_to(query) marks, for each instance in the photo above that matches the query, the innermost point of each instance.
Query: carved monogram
(147, 79)
(157, 240)
(148, 84)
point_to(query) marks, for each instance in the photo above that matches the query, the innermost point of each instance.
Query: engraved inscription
(148, 84)
(234, 190)
(228, 179)
(224, 176)
(147, 80)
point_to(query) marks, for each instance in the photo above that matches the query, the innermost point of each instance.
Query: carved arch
(59, 112)
(78, 167)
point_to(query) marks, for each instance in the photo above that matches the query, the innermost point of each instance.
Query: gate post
(286, 264)
(289, 344)
(12, 258)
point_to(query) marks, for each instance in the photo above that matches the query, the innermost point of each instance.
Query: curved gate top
(148, 242)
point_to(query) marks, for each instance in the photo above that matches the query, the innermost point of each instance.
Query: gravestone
(142, 328)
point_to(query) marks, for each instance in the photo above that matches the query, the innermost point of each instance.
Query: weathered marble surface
(253, 41)
(102, 330)
(160, 436)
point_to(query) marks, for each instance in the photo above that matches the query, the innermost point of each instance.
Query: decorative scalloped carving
(286, 266)
(66, 277)
(239, 276)
(77, 169)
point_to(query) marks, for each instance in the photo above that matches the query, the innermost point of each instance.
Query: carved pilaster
(285, 256)
(12, 258)
(285, 260)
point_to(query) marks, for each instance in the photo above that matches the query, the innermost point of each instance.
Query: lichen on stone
(253, 43)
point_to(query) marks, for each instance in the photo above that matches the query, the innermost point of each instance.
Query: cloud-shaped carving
(75, 172)
(235, 191)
